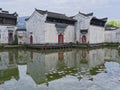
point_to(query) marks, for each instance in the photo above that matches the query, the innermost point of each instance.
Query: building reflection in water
(8, 66)
(50, 66)
(46, 67)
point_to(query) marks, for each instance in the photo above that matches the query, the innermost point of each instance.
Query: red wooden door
(60, 39)
(84, 39)
(31, 39)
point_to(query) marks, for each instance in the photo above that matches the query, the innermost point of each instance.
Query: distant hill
(21, 22)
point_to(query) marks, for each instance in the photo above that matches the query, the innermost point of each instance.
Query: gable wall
(36, 26)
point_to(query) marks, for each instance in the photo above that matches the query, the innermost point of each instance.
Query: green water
(73, 69)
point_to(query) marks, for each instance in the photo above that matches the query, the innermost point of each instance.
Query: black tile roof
(21, 30)
(7, 15)
(89, 14)
(102, 19)
(55, 15)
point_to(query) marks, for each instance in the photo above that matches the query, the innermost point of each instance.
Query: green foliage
(113, 23)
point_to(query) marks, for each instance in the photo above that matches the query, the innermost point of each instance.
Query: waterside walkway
(59, 46)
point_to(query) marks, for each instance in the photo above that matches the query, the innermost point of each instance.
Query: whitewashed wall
(108, 36)
(36, 25)
(4, 33)
(51, 35)
(96, 34)
(69, 34)
(46, 32)
(83, 22)
(118, 35)
(112, 36)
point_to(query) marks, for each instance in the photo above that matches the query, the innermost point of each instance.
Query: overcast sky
(100, 8)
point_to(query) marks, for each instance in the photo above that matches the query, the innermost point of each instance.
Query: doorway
(60, 39)
(10, 37)
(31, 39)
(84, 39)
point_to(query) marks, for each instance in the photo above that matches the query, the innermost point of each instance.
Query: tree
(113, 23)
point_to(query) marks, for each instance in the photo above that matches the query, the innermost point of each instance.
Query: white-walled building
(89, 29)
(22, 36)
(112, 35)
(7, 27)
(49, 27)
(21, 32)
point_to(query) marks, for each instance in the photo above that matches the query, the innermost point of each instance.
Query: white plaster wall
(36, 25)
(108, 36)
(77, 27)
(112, 36)
(77, 31)
(69, 34)
(96, 34)
(114, 39)
(4, 33)
(118, 35)
(51, 35)
(82, 23)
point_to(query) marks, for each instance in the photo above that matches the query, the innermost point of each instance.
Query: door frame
(84, 39)
(31, 39)
(59, 38)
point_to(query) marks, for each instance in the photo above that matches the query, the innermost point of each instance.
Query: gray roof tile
(7, 15)
(55, 15)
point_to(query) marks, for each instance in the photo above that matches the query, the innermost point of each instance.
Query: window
(56, 20)
(10, 21)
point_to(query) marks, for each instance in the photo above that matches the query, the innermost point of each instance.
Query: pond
(71, 69)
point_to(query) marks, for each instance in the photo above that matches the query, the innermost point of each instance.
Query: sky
(100, 8)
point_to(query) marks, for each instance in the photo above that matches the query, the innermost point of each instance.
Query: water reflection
(81, 69)
(8, 67)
